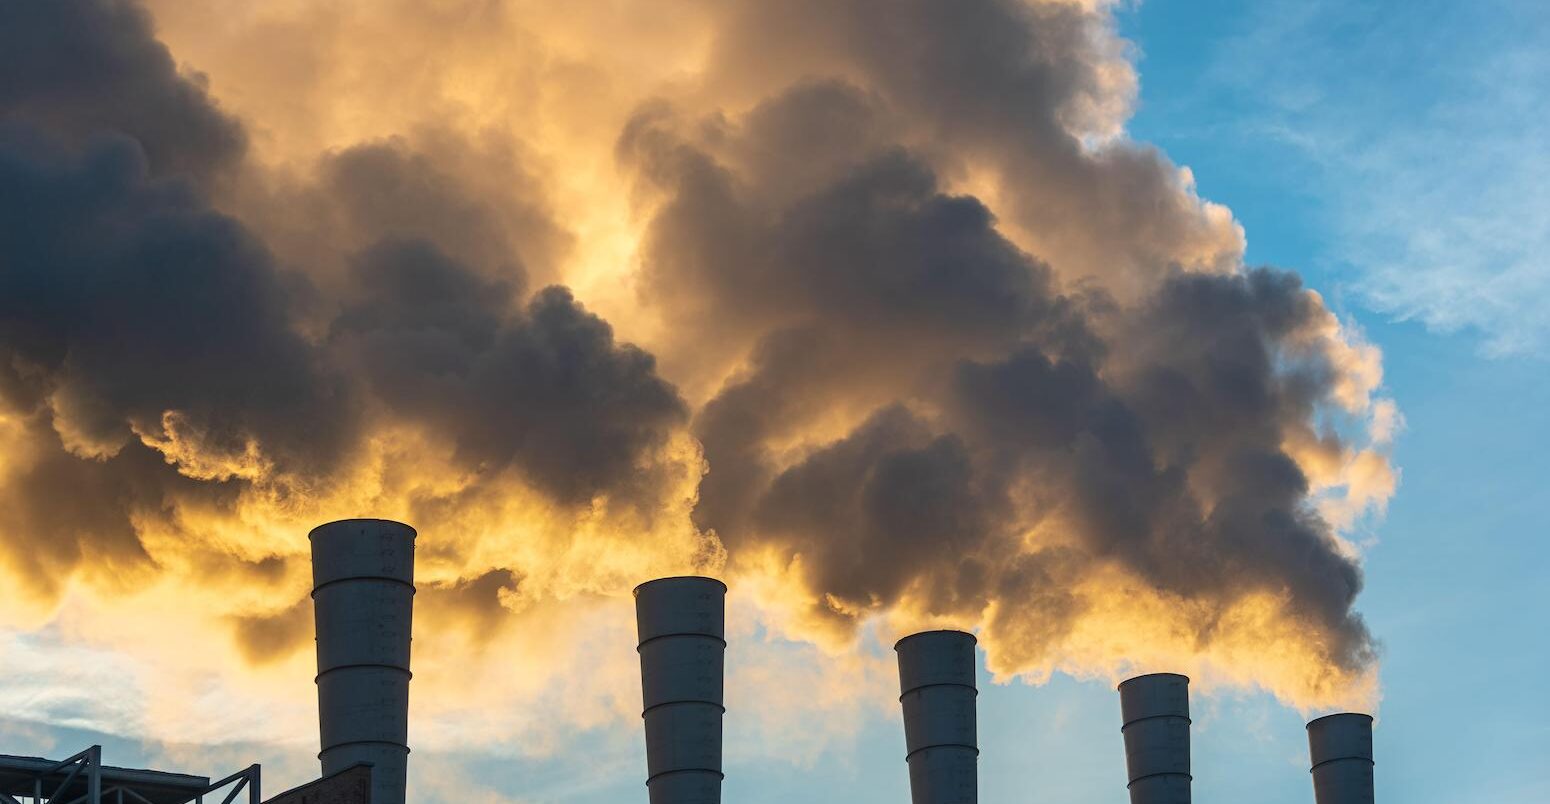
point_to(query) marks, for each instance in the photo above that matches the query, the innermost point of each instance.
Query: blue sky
(1396, 155)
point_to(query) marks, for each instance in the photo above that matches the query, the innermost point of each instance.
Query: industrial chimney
(1155, 709)
(1341, 749)
(681, 623)
(363, 599)
(937, 692)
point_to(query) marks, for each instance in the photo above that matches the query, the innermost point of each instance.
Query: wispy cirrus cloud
(1423, 129)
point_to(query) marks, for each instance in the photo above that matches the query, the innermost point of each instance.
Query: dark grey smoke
(125, 296)
(545, 388)
(1002, 83)
(473, 200)
(896, 391)
(81, 68)
(991, 403)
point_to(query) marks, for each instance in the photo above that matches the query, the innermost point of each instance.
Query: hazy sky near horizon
(1202, 336)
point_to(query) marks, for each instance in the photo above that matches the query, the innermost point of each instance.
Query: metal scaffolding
(83, 779)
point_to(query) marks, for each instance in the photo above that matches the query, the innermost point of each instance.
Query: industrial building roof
(17, 776)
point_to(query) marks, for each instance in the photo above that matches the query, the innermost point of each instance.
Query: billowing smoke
(984, 431)
(869, 305)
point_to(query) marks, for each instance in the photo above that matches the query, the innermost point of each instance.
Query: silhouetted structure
(363, 603)
(349, 786)
(1155, 709)
(83, 779)
(1340, 747)
(681, 626)
(937, 693)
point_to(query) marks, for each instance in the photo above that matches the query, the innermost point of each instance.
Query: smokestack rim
(973, 640)
(1137, 706)
(636, 591)
(337, 556)
(312, 534)
(1143, 676)
(1327, 747)
(1370, 719)
(680, 606)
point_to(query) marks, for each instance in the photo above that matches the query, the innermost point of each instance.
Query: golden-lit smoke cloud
(870, 307)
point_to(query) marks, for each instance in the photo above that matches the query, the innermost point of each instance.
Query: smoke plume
(870, 307)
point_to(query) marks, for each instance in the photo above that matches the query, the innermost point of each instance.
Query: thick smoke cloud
(921, 416)
(546, 388)
(923, 338)
(473, 200)
(1020, 89)
(162, 362)
(126, 298)
(78, 68)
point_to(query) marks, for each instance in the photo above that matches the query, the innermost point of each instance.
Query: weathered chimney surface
(363, 601)
(937, 693)
(1340, 747)
(1155, 709)
(681, 623)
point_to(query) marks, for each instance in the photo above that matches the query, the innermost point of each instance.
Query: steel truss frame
(88, 764)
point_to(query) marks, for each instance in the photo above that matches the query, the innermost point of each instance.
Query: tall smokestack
(363, 599)
(681, 623)
(1341, 749)
(937, 692)
(1155, 709)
